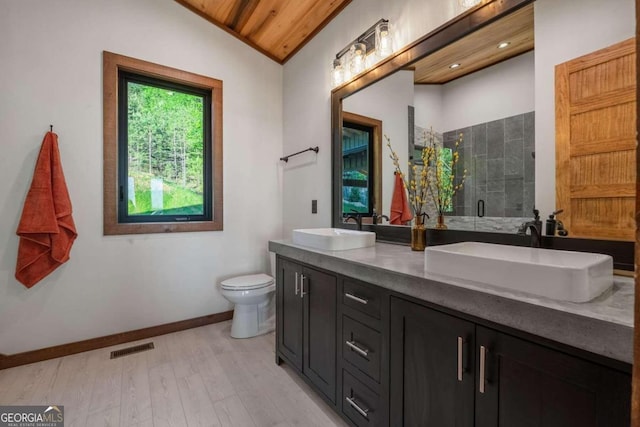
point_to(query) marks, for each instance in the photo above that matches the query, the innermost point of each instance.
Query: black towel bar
(286, 158)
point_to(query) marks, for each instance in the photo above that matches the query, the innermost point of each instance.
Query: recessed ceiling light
(452, 66)
(503, 45)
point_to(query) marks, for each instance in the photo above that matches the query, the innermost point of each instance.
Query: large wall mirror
(487, 105)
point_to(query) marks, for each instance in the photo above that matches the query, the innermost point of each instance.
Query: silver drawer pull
(354, 405)
(483, 357)
(460, 369)
(302, 292)
(296, 289)
(357, 349)
(355, 298)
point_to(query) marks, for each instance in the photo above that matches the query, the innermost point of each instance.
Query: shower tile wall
(499, 159)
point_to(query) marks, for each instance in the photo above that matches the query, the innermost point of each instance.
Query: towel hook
(50, 128)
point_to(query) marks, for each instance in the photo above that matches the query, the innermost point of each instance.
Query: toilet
(254, 299)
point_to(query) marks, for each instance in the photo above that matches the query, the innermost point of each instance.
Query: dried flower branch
(436, 178)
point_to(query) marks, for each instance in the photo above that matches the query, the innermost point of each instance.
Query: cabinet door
(320, 301)
(289, 311)
(526, 384)
(432, 367)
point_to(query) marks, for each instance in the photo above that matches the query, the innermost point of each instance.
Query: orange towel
(46, 227)
(400, 209)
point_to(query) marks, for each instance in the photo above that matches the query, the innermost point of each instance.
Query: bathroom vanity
(385, 344)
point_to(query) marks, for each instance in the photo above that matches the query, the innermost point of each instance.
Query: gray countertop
(603, 326)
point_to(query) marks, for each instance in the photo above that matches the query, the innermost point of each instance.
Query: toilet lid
(245, 283)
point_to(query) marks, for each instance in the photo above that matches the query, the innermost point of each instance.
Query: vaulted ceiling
(277, 28)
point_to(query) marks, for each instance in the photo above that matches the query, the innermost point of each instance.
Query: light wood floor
(198, 377)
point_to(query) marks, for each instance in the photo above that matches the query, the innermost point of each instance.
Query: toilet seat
(247, 283)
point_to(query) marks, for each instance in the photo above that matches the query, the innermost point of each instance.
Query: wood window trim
(112, 63)
(377, 153)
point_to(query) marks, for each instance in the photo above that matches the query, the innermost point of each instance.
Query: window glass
(357, 157)
(163, 153)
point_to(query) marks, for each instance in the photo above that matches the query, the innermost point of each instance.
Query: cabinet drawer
(362, 297)
(360, 404)
(361, 347)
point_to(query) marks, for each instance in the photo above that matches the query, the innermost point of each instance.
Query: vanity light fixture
(503, 45)
(367, 49)
(453, 66)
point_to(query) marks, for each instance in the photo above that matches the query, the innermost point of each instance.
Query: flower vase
(440, 225)
(418, 234)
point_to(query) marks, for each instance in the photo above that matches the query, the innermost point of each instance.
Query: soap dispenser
(550, 227)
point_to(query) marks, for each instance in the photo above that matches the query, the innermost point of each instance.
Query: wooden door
(595, 143)
(320, 292)
(426, 387)
(526, 384)
(289, 312)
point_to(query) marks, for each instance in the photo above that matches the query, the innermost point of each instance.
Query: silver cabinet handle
(355, 298)
(302, 292)
(353, 346)
(460, 345)
(296, 290)
(354, 405)
(483, 357)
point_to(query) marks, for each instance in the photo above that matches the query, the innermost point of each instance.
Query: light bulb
(384, 46)
(358, 51)
(468, 3)
(337, 73)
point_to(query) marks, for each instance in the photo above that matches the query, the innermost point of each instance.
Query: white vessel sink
(333, 239)
(560, 275)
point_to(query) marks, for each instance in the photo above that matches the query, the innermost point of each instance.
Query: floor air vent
(131, 350)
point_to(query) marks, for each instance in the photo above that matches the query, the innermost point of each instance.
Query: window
(361, 189)
(357, 173)
(162, 148)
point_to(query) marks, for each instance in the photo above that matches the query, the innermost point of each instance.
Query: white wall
(51, 56)
(307, 96)
(427, 100)
(502, 90)
(565, 30)
(387, 101)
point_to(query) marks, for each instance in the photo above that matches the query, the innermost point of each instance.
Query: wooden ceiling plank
(479, 50)
(201, 13)
(259, 21)
(289, 14)
(305, 27)
(277, 28)
(240, 13)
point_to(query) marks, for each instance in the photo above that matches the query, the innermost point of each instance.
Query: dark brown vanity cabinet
(432, 367)
(306, 323)
(450, 372)
(363, 353)
(524, 384)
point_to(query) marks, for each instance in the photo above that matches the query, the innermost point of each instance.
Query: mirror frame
(454, 29)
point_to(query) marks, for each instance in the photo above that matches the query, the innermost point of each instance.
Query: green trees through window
(165, 167)
(357, 167)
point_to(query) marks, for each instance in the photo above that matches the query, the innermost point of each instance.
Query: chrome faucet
(536, 229)
(357, 217)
